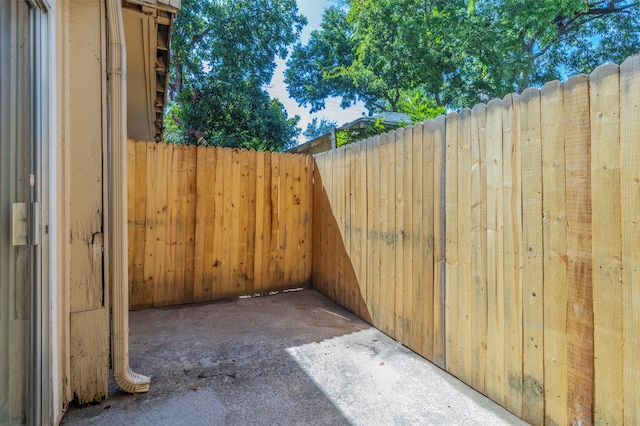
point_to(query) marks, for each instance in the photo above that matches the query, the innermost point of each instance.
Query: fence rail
(536, 199)
(209, 223)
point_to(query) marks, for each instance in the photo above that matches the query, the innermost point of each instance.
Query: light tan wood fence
(209, 223)
(537, 198)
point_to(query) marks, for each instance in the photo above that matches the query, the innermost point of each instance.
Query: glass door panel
(19, 213)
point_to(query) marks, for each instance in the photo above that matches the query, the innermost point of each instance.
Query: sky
(313, 10)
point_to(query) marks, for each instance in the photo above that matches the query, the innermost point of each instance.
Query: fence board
(495, 249)
(171, 225)
(150, 230)
(630, 206)
(215, 232)
(554, 240)
(532, 272)
(479, 246)
(464, 233)
(200, 218)
(512, 256)
(424, 246)
(451, 246)
(418, 249)
(162, 177)
(250, 234)
(439, 347)
(399, 199)
(373, 229)
(190, 218)
(387, 231)
(607, 239)
(579, 274)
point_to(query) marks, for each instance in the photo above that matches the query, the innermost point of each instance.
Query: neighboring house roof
(328, 140)
(148, 25)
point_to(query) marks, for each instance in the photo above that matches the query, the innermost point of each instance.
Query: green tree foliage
(223, 53)
(317, 128)
(419, 56)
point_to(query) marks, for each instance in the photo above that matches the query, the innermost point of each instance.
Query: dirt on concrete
(293, 358)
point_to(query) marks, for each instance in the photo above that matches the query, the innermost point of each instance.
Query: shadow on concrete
(294, 358)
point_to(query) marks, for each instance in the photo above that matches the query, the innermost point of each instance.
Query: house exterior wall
(76, 219)
(80, 143)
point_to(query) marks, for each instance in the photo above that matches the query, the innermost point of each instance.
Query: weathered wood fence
(209, 223)
(503, 244)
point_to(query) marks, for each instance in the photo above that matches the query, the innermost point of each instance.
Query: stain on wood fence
(208, 223)
(531, 203)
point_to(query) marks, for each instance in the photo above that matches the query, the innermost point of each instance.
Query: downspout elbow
(126, 379)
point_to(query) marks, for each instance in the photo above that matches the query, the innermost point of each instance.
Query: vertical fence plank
(607, 239)
(399, 198)
(145, 292)
(350, 170)
(274, 261)
(387, 225)
(227, 237)
(373, 229)
(359, 225)
(202, 187)
(308, 218)
(190, 210)
(418, 244)
(241, 221)
(451, 246)
(512, 232)
(464, 233)
(260, 218)
(495, 247)
(532, 258)
(579, 274)
(630, 193)
(150, 225)
(438, 239)
(167, 290)
(215, 234)
(300, 237)
(251, 235)
(339, 195)
(407, 235)
(479, 246)
(162, 176)
(319, 217)
(424, 136)
(179, 225)
(554, 240)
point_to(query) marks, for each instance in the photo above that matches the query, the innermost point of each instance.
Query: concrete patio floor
(293, 358)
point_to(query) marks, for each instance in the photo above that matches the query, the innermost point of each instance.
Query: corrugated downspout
(126, 379)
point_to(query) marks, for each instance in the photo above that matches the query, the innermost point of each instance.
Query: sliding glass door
(21, 128)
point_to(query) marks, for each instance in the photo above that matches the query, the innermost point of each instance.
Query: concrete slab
(294, 358)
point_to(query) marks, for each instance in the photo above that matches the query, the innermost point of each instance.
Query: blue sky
(313, 10)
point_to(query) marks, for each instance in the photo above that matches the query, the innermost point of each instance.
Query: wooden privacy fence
(502, 243)
(208, 223)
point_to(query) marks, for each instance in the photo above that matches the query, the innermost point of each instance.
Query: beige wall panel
(89, 355)
(87, 106)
